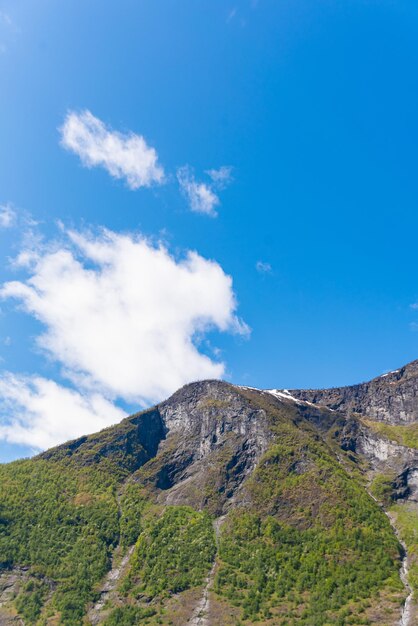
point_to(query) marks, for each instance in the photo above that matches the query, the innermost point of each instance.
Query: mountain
(223, 506)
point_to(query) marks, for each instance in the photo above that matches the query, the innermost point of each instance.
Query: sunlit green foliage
(63, 521)
(382, 488)
(310, 536)
(62, 514)
(406, 435)
(174, 552)
(128, 616)
(265, 563)
(133, 501)
(30, 601)
(406, 516)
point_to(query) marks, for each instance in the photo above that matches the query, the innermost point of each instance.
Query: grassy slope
(173, 554)
(405, 515)
(312, 547)
(304, 545)
(63, 513)
(406, 435)
(406, 520)
(64, 523)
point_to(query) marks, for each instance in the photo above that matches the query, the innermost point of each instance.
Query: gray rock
(391, 398)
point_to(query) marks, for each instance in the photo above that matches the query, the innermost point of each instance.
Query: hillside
(223, 506)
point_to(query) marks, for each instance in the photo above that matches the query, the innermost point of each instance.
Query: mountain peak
(253, 504)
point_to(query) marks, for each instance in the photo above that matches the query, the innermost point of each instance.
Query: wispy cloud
(263, 267)
(8, 31)
(125, 156)
(231, 14)
(202, 196)
(40, 413)
(220, 177)
(8, 216)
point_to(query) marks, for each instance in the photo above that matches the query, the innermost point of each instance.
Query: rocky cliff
(391, 398)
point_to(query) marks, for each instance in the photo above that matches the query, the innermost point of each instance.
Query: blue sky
(310, 108)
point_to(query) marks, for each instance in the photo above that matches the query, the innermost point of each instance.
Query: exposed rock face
(212, 436)
(11, 582)
(215, 438)
(391, 398)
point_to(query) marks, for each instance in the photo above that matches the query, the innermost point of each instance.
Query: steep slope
(381, 426)
(220, 506)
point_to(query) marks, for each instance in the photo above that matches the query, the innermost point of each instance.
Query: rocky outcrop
(108, 590)
(215, 438)
(378, 398)
(11, 582)
(391, 398)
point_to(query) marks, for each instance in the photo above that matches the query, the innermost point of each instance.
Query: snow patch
(389, 373)
(282, 394)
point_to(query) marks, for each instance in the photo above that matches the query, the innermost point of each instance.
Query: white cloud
(121, 314)
(7, 216)
(221, 177)
(125, 156)
(263, 267)
(201, 197)
(40, 413)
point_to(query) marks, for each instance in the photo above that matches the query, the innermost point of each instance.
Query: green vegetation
(128, 616)
(271, 568)
(382, 488)
(30, 601)
(311, 543)
(404, 435)
(174, 552)
(63, 513)
(406, 516)
(133, 502)
(65, 521)
(62, 521)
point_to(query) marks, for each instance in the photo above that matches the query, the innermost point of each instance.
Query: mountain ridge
(188, 494)
(373, 397)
